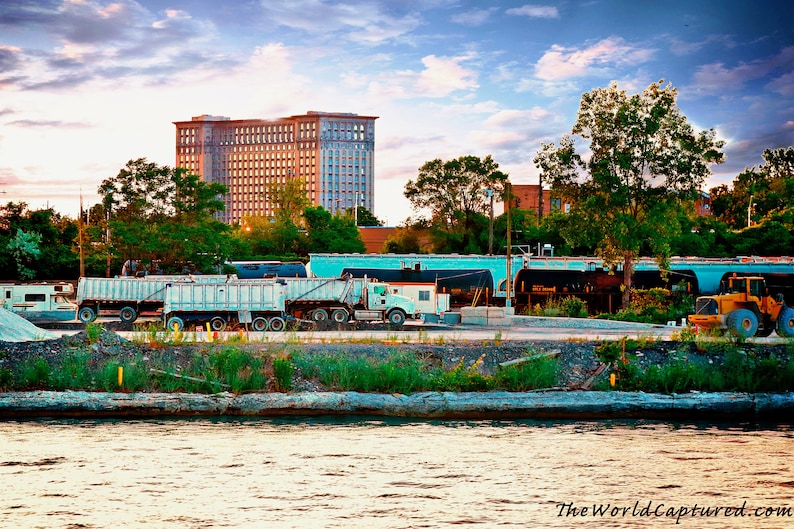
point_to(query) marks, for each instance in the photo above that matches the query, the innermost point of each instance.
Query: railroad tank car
(268, 269)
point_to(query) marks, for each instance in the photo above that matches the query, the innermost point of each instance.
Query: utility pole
(508, 194)
(489, 192)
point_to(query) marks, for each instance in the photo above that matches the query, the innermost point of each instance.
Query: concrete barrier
(492, 316)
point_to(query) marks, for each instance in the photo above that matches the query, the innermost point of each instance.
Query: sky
(86, 85)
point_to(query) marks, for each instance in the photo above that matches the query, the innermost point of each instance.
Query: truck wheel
(86, 315)
(128, 314)
(175, 323)
(785, 323)
(259, 324)
(277, 324)
(319, 315)
(217, 323)
(397, 317)
(742, 323)
(340, 316)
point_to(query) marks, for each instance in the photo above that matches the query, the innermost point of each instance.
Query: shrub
(282, 373)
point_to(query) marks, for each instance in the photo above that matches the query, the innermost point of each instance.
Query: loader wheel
(785, 323)
(742, 323)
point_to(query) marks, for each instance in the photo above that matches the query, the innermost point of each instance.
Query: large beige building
(333, 153)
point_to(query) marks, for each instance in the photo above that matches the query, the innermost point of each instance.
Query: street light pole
(489, 192)
(508, 302)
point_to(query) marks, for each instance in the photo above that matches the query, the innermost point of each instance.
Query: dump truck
(39, 302)
(345, 298)
(267, 303)
(744, 309)
(260, 303)
(130, 296)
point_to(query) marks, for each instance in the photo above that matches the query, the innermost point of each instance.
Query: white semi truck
(267, 303)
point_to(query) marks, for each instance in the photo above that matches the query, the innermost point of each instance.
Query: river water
(366, 473)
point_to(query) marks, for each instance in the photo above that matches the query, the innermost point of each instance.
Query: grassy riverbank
(97, 360)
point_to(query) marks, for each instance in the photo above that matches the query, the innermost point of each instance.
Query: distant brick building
(527, 197)
(332, 153)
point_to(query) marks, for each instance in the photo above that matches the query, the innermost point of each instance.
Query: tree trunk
(628, 270)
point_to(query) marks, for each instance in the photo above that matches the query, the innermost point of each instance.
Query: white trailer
(260, 303)
(39, 302)
(130, 296)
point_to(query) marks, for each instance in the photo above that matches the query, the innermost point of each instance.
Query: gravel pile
(14, 328)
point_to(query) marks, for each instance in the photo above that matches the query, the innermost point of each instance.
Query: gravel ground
(577, 361)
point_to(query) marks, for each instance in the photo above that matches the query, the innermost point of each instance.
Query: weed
(282, 373)
(93, 332)
(72, 372)
(535, 374)
(34, 373)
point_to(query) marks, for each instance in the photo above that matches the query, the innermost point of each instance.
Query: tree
(331, 233)
(25, 248)
(645, 160)
(366, 218)
(455, 193)
(162, 215)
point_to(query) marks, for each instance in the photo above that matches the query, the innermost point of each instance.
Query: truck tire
(217, 324)
(175, 323)
(86, 314)
(259, 324)
(277, 324)
(319, 315)
(128, 314)
(785, 323)
(397, 317)
(742, 323)
(340, 316)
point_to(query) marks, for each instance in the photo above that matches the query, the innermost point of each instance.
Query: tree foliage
(161, 215)
(645, 159)
(455, 193)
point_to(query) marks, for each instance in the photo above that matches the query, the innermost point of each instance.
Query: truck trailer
(130, 296)
(260, 303)
(267, 303)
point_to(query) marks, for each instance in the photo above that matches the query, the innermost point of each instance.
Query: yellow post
(612, 378)
(121, 376)
(209, 333)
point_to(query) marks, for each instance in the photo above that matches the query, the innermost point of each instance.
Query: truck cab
(381, 300)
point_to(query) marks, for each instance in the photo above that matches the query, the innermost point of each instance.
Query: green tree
(161, 215)
(645, 160)
(366, 218)
(331, 233)
(455, 194)
(24, 247)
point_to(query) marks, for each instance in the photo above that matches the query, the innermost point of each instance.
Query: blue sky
(86, 85)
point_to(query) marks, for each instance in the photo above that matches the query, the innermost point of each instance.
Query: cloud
(98, 41)
(562, 63)
(29, 123)
(444, 75)
(475, 17)
(535, 11)
(358, 21)
(717, 79)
